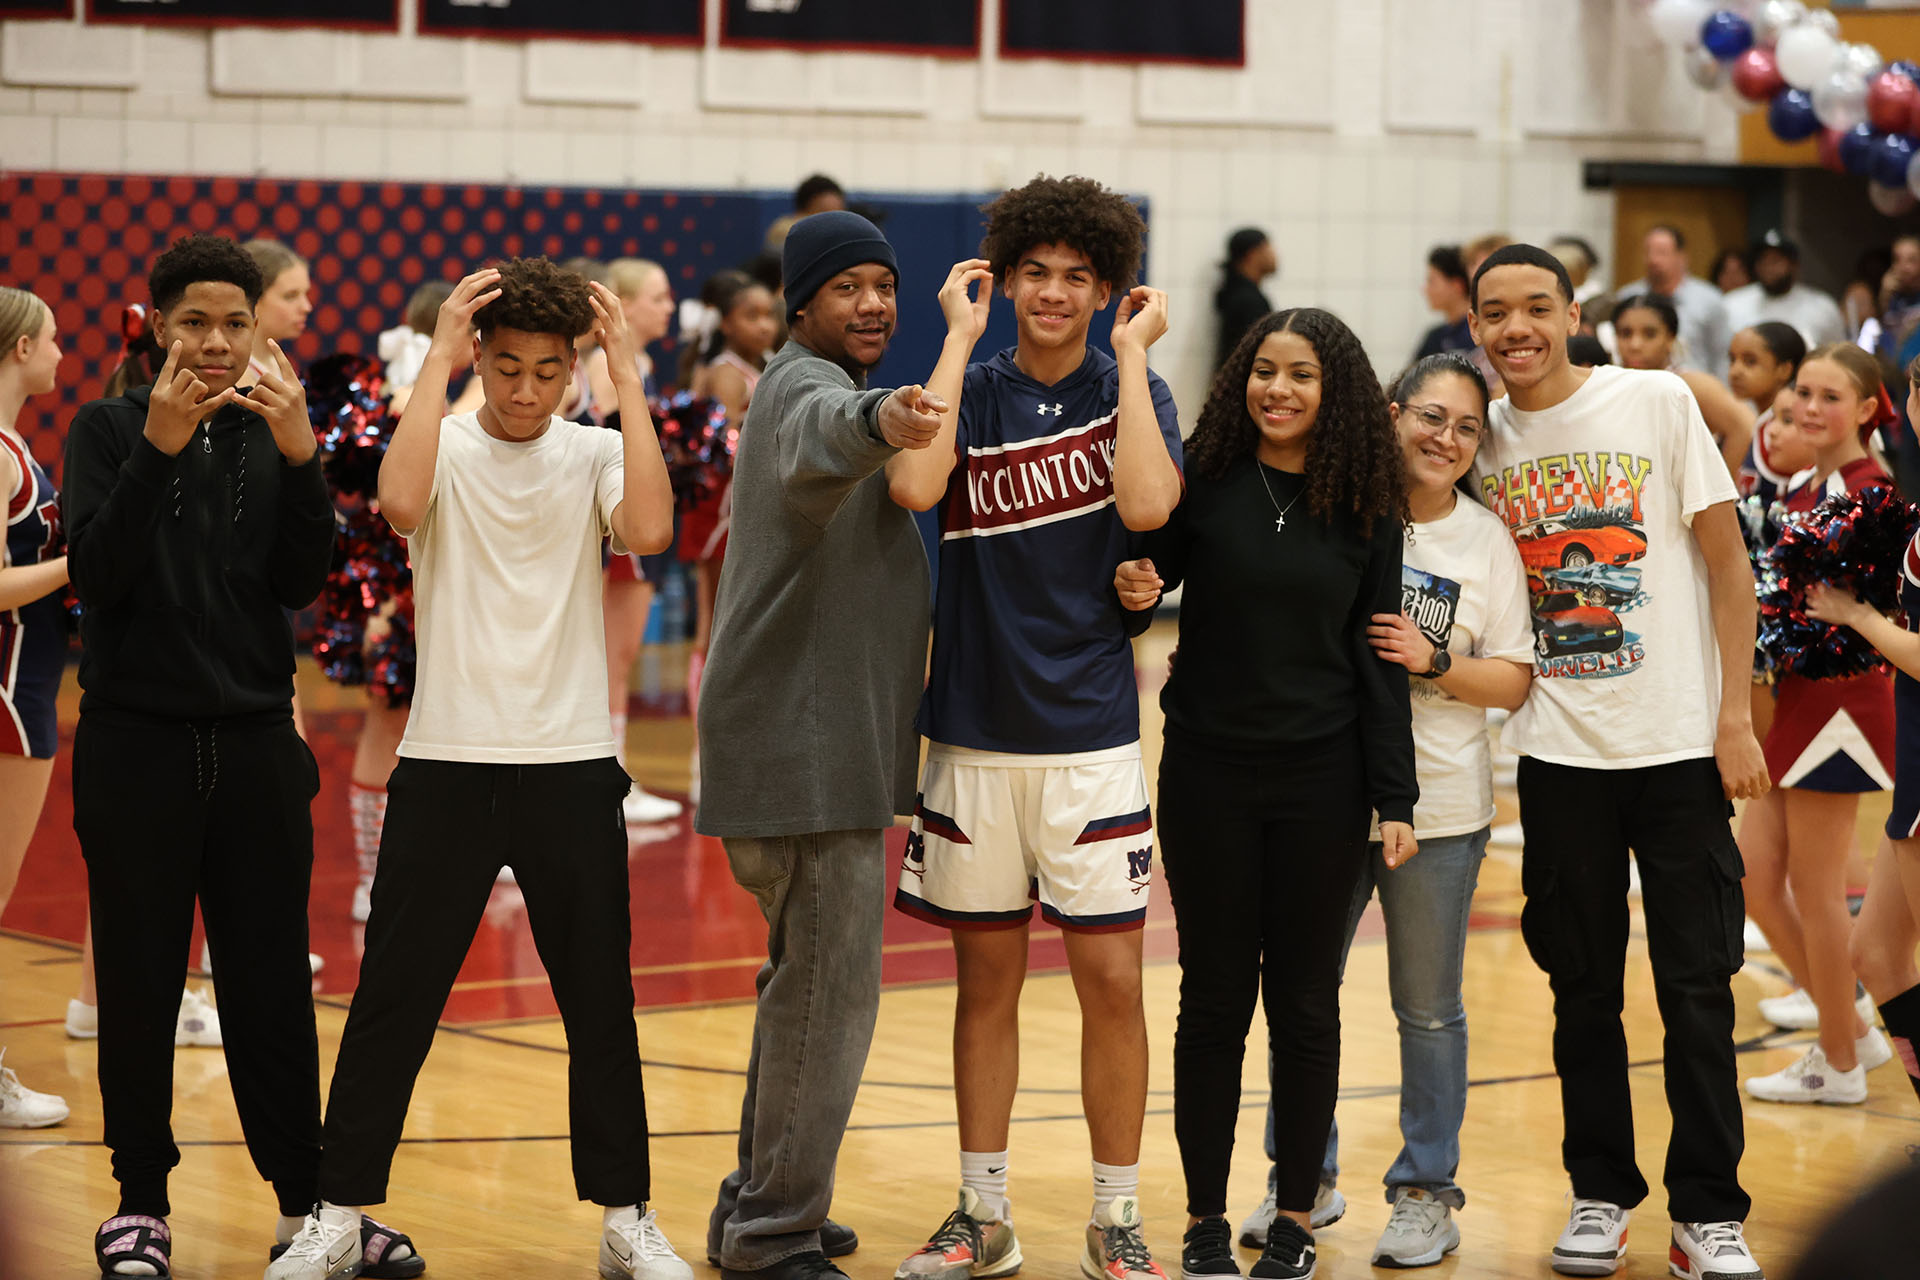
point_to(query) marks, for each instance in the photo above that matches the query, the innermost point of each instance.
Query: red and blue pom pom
(1851, 541)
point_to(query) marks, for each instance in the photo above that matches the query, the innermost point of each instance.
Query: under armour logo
(1054, 409)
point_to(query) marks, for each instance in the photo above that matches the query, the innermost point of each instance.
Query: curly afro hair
(1353, 457)
(1077, 212)
(538, 296)
(199, 259)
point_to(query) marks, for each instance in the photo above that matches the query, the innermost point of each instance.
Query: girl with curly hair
(1285, 731)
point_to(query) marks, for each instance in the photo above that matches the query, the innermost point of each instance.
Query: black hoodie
(187, 565)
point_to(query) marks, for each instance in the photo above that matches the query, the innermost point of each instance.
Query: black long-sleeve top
(1273, 627)
(186, 565)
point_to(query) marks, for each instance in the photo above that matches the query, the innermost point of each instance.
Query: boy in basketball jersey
(1033, 787)
(509, 757)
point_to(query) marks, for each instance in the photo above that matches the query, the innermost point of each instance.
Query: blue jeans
(1425, 904)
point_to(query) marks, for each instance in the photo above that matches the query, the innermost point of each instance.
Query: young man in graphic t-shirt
(1033, 788)
(509, 757)
(1635, 735)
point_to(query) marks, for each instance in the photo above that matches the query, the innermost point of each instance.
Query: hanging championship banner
(653, 21)
(943, 28)
(366, 15)
(1204, 31)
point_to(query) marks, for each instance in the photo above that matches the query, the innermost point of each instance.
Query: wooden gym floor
(482, 1181)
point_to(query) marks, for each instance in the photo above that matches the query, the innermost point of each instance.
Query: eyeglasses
(1434, 424)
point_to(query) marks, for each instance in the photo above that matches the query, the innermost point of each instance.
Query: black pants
(1261, 856)
(167, 811)
(1579, 825)
(450, 828)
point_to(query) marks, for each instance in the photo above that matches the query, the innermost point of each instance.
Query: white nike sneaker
(639, 1250)
(1796, 1011)
(83, 1020)
(1754, 939)
(1595, 1239)
(1711, 1251)
(198, 1023)
(1811, 1079)
(326, 1248)
(24, 1108)
(642, 805)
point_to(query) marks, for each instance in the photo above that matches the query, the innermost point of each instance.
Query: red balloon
(1913, 119)
(1755, 75)
(1829, 144)
(1891, 101)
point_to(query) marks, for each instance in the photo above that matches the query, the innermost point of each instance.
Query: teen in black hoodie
(197, 517)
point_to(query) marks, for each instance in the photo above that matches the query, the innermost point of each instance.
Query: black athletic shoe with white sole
(1206, 1251)
(1289, 1254)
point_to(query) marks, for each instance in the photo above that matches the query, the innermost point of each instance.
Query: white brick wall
(1391, 140)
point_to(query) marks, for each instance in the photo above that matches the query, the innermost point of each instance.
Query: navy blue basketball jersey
(1030, 646)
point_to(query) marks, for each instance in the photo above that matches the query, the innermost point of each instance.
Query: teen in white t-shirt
(509, 755)
(1637, 732)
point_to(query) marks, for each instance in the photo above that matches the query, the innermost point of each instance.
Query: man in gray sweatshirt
(807, 742)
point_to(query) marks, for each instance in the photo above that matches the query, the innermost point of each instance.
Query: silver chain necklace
(1281, 522)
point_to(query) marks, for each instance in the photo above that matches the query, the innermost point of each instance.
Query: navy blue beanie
(820, 247)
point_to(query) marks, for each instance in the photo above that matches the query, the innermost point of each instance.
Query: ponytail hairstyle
(1783, 342)
(1863, 371)
(272, 258)
(140, 358)
(719, 295)
(22, 315)
(1353, 456)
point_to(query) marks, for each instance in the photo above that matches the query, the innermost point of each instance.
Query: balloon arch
(1789, 59)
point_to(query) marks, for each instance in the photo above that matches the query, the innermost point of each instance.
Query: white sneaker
(326, 1248)
(24, 1108)
(639, 1250)
(642, 805)
(1507, 835)
(198, 1023)
(1711, 1251)
(1755, 940)
(83, 1020)
(315, 963)
(1796, 1011)
(362, 901)
(1329, 1206)
(1595, 1239)
(1811, 1079)
(1873, 1049)
(1420, 1232)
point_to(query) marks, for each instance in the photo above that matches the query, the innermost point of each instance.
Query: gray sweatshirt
(820, 631)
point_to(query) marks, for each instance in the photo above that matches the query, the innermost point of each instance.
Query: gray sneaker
(1329, 1206)
(970, 1245)
(1420, 1232)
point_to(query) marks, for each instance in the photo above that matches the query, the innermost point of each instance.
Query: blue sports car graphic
(1564, 624)
(1596, 584)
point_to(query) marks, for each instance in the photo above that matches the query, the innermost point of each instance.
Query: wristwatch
(1442, 663)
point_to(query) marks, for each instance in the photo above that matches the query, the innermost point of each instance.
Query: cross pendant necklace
(1280, 521)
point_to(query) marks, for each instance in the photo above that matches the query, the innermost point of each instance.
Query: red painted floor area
(697, 936)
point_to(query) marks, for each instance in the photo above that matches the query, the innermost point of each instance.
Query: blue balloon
(1891, 156)
(1911, 70)
(1726, 35)
(1791, 116)
(1858, 146)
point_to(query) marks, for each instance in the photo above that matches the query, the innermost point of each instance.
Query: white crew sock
(986, 1173)
(619, 1215)
(1112, 1181)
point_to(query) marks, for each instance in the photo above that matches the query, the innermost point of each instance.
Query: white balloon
(1891, 201)
(1806, 55)
(1771, 18)
(1841, 101)
(1862, 58)
(1679, 21)
(1707, 71)
(1825, 19)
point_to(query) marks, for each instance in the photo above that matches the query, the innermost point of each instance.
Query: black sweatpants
(1261, 853)
(1579, 825)
(168, 811)
(450, 828)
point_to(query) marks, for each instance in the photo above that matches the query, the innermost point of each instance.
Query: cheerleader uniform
(702, 536)
(1758, 474)
(627, 568)
(1904, 821)
(1833, 735)
(33, 637)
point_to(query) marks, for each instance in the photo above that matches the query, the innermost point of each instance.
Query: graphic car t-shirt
(1599, 492)
(1030, 643)
(1463, 586)
(506, 588)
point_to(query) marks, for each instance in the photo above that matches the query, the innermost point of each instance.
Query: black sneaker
(1206, 1251)
(1289, 1254)
(811, 1265)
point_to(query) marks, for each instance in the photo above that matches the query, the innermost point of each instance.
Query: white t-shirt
(1815, 315)
(1462, 584)
(506, 589)
(1600, 492)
